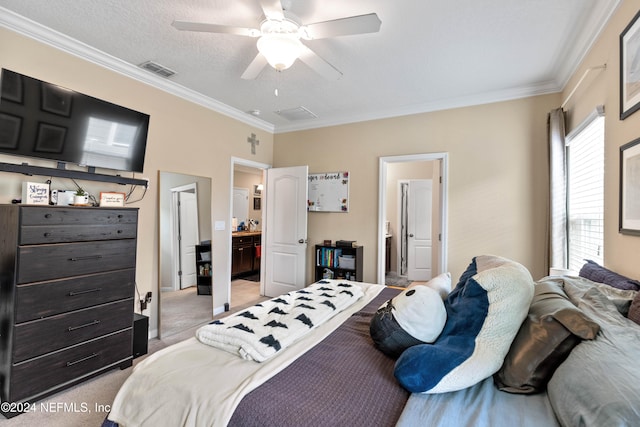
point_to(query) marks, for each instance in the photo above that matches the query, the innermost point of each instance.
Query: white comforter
(193, 384)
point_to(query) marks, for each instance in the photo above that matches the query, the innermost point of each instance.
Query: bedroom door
(419, 243)
(286, 230)
(188, 239)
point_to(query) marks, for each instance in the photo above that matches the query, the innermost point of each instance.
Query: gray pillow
(553, 327)
(634, 309)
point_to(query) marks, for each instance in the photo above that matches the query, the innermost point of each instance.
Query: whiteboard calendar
(328, 192)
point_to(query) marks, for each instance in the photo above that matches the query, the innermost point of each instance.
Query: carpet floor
(393, 279)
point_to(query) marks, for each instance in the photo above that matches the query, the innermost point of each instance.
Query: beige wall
(498, 177)
(603, 87)
(183, 138)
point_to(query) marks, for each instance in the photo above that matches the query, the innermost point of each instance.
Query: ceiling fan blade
(361, 24)
(256, 66)
(214, 28)
(319, 65)
(272, 9)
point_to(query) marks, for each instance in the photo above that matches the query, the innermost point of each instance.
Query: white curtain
(558, 190)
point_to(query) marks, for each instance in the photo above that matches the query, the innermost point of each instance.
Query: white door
(286, 230)
(241, 204)
(188, 204)
(419, 243)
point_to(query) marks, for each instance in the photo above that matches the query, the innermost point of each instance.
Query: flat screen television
(42, 120)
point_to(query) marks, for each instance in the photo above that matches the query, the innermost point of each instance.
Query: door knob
(301, 241)
(411, 235)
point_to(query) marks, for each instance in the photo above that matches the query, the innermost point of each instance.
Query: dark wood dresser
(67, 285)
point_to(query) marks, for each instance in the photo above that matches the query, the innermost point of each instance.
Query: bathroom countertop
(245, 233)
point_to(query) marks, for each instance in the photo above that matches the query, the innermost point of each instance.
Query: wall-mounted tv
(40, 119)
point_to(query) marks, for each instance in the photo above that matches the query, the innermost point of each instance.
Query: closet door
(419, 244)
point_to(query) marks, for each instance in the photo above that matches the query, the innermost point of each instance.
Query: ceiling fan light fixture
(281, 50)
(280, 43)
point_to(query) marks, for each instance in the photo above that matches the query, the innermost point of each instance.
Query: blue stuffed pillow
(484, 314)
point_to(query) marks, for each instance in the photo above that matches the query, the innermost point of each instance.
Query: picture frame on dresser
(629, 210)
(630, 68)
(112, 199)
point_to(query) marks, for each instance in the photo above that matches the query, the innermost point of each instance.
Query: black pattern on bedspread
(342, 381)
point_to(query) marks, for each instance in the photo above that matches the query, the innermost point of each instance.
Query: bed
(193, 384)
(335, 375)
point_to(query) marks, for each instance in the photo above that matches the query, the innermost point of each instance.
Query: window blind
(585, 194)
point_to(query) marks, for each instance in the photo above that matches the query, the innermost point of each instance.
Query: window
(585, 192)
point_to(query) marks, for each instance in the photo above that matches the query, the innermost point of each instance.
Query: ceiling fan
(279, 38)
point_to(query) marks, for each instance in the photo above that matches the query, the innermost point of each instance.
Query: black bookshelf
(203, 269)
(343, 262)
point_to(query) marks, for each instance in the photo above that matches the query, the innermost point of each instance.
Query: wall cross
(253, 141)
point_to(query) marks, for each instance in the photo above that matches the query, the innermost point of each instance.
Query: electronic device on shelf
(43, 120)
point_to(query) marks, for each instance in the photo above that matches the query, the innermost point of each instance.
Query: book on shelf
(328, 257)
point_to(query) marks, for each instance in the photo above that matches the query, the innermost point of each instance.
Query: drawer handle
(47, 215)
(47, 234)
(85, 258)
(74, 328)
(86, 291)
(91, 356)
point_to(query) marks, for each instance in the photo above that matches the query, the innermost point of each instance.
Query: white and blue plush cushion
(420, 312)
(414, 316)
(484, 313)
(441, 284)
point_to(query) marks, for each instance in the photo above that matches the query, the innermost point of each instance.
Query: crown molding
(38, 32)
(439, 105)
(576, 50)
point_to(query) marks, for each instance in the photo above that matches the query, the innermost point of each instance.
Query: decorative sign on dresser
(67, 285)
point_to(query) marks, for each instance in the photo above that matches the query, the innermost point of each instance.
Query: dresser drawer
(42, 299)
(242, 241)
(38, 375)
(54, 225)
(47, 262)
(33, 215)
(42, 336)
(36, 234)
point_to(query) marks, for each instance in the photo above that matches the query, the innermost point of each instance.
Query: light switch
(219, 225)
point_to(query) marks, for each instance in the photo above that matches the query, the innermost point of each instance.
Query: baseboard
(153, 333)
(218, 310)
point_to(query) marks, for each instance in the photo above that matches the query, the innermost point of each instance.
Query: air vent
(298, 113)
(158, 69)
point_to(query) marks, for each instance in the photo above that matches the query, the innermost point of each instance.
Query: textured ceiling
(428, 55)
